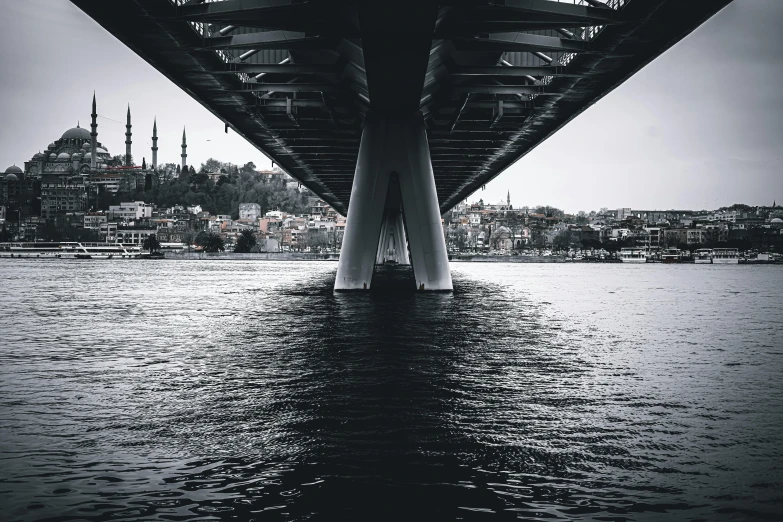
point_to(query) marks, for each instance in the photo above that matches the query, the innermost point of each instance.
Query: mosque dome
(13, 169)
(38, 156)
(76, 156)
(101, 150)
(51, 146)
(774, 220)
(11, 177)
(64, 156)
(52, 157)
(88, 156)
(76, 133)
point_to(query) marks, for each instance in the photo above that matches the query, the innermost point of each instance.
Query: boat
(671, 255)
(69, 250)
(38, 249)
(703, 256)
(725, 256)
(79, 250)
(633, 255)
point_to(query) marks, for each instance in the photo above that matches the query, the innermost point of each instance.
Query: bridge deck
(501, 76)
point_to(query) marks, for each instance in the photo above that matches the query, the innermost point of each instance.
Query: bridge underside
(478, 82)
(492, 78)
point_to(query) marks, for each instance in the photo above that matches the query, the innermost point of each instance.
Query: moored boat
(633, 255)
(671, 255)
(725, 256)
(69, 250)
(703, 256)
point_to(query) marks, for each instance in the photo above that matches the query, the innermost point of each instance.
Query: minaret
(94, 135)
(128, 140)
(184, 149)
(155, 144)
(508, 199)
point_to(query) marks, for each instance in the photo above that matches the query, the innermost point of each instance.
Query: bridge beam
(393, 153)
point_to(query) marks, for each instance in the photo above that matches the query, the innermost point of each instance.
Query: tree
(316, 239)
(249, 167)
(144, 163)
(119, 159)
(151, 243)
(211, 165)
(5, 235)
(211, 242)
(189, 237)
(671, 239)
(538, 239)
(461, 238)
(562, 241)
(612, 247)
(245, 242)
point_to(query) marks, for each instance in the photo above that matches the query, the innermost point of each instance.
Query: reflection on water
(178, 390)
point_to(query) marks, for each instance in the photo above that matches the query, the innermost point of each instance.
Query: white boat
(671, 255)
(633, 255)
(100, 250)
(69, 250)
(703, 256)
(725, 256)
(38, 249)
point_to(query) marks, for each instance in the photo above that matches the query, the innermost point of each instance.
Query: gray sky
(700, 127)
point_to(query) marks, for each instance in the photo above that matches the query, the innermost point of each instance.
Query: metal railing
(587, 34)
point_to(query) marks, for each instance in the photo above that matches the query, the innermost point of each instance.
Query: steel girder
(493, 78)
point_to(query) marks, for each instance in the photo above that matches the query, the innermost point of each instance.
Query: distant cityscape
(77, 191)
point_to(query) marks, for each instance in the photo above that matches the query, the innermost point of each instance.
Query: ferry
(101, 250)
(671, 255)
(70, 250)
(725, 256)
(633, 255)
(703, 256)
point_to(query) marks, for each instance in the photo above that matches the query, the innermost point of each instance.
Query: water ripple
(178, 390)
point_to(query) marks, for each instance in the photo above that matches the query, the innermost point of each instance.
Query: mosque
(74, 166)
(78, 151)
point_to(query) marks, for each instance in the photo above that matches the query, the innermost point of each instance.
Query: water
(187, 390)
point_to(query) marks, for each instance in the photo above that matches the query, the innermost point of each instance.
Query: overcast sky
(700, 127)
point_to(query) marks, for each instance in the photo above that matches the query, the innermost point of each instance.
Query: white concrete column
(391, 145)
(393, 244)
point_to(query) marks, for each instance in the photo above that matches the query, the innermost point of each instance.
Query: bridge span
(395, 111)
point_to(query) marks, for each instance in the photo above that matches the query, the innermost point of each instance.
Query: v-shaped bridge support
(393, 153)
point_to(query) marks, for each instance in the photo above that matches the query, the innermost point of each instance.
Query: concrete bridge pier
(393, 178)
(393, 242)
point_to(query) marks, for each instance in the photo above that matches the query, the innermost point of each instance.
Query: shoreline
(310, 256)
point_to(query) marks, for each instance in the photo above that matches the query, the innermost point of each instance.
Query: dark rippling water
(186, 390)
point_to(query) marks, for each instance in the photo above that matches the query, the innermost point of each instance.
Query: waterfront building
(64, 192)
(131, 211)
(135, 234)
(251, 211)
(108, 231)
(94, 220)
(695, 236)
(16, 190)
